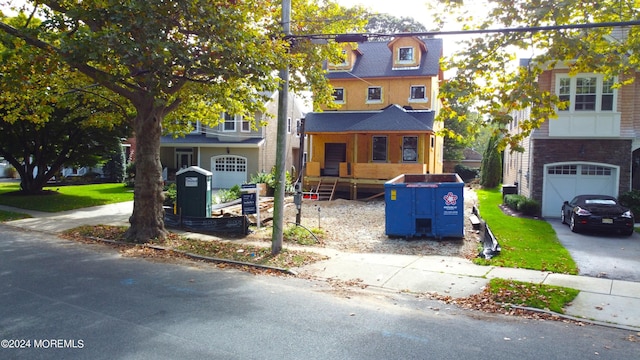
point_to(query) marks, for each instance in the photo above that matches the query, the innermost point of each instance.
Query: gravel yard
(359, 226)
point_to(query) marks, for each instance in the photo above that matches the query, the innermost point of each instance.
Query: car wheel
(563, 218)
(572, 224)
(629, 232)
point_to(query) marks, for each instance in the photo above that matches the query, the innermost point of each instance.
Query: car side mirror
(566, 202)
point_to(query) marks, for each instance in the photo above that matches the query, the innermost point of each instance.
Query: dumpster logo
(450, 199)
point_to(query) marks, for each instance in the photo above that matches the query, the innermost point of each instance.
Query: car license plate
(607, 221)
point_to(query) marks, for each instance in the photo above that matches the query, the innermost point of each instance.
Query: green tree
(485, 70)
(181, 61)
(491, 165)
(389, 24)
(49, 117)
(114, 168)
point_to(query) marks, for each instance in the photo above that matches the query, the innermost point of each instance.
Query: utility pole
(281, 143)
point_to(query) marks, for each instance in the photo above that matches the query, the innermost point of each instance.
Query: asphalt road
(610, 256)
(64, 300)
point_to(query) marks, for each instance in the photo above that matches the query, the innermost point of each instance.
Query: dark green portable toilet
(193, 187)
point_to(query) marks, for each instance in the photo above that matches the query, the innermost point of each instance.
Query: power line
(363, 37)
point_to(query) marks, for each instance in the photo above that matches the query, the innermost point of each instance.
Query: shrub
(228, 195)
(467, 174)
(522, 204)
(631, 199)
(529, 207)
(302, 235)
(171, 194)
(270, 179)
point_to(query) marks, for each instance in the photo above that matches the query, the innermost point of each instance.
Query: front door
(334, 154)
(184, 158)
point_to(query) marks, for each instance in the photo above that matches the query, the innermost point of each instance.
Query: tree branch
(96, 74)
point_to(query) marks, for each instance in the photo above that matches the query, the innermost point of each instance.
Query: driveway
(608, 256)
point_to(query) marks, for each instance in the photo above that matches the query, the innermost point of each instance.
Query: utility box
(509, 190)
(429, 205)
(193, 192)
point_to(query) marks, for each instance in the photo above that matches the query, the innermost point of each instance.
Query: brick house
(591, 148)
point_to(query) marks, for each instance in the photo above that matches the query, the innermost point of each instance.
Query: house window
(405, 54)
(418, 93)
(229, 122)
(607, 95)
(246, 126)
(344, 62)
(586, 93)
(338, 95)
(562, 170)
(288, 125)
(379, 148)
(595, 170)
(374, 94)
(410, 148)
(298, 129)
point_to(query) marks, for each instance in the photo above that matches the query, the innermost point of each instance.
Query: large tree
(50, 116)
(485, 71)
(181, 61)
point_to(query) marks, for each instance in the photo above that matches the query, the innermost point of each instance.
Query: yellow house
(384, 126)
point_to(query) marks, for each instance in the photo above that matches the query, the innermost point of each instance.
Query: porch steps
(327, 188)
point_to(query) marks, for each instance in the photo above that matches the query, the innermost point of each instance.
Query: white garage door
(564, 181)
(228, 170)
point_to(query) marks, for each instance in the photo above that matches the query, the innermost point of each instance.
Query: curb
(199, 257)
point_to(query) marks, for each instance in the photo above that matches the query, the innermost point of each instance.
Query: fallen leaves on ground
(176, 246)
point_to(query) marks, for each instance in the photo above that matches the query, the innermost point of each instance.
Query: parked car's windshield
(600, 201)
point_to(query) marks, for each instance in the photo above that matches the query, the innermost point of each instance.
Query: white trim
(224, 122)
(413, 55)
(549, 210)
(598, 94)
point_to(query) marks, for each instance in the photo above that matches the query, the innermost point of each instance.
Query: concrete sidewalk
(600, 300)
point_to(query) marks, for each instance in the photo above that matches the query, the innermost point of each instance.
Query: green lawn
(66, 197)
(526, 243)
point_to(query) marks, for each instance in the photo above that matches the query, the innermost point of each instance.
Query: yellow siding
(394, 91)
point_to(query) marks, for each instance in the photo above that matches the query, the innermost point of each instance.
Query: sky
(418, 10)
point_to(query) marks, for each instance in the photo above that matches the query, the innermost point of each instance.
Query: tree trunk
(147, 220)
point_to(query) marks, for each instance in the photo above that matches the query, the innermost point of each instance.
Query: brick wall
(613, 152)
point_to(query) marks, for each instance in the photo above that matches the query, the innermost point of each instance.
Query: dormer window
(405, 55)
(338, 95)
(374, 94)
(344, 63)
(345, 58)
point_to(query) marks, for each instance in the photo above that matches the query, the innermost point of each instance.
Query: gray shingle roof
(377, 61)
(203, 139)
(392, 118)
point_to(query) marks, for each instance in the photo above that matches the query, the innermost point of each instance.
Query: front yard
(526, 243)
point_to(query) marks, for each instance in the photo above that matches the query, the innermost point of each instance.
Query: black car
(597, 212)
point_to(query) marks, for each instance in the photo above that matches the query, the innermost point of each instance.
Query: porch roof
(393, 118)
(203, 140)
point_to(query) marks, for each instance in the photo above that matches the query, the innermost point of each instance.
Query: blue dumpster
(429, 205)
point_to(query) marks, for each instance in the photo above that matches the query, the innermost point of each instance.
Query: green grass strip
(539, 296)
(526, 243)
(68, 197)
